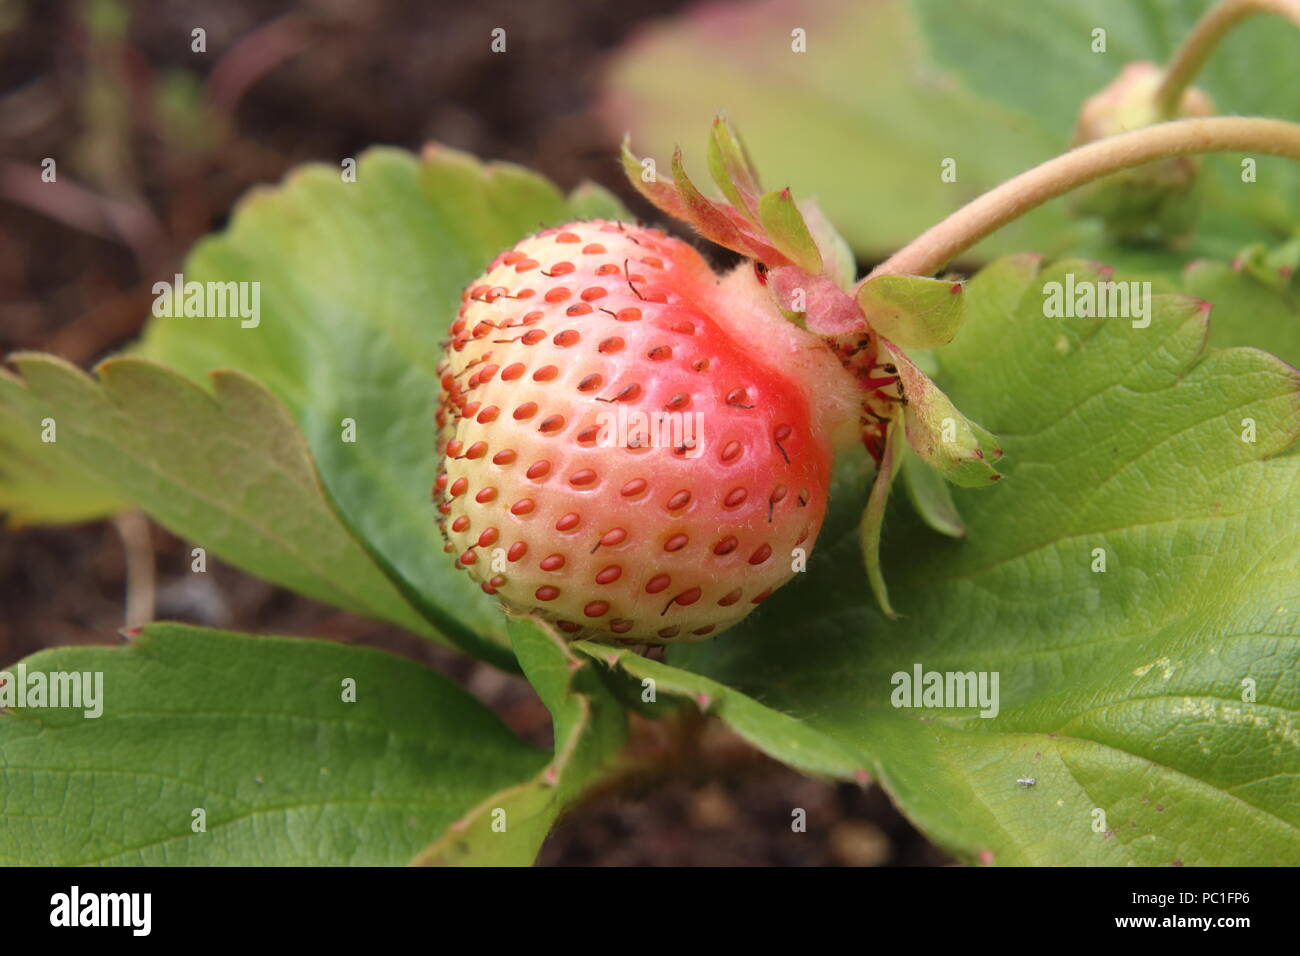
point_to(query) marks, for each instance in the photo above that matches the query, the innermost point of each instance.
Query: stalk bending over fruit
(557, 497)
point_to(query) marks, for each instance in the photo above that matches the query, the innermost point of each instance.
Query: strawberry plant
(531, 427)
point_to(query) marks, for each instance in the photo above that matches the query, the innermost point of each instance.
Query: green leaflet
(228, 470)
(938, 102)
(39, 482)
(1256, 304)
(507, 829)
(256, 733)
(1123, 692)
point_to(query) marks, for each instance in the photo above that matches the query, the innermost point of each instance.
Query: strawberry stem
(1205, 36)
(938, 245)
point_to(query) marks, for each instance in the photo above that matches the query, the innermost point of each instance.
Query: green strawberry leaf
(875, 119)
(939, 102)
(593, 201)
(1153, 703)
(227, 470)
(1003, 51)
(359, 282)
(1248, 309)
(784, 737)
(258, 734)
(39, 482)
(1255, 292)
(507, 829)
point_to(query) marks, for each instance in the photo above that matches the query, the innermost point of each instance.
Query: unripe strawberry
(1154, 201)
(632, 447)
(640, 449)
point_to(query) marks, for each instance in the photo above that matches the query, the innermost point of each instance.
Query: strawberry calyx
(792, 239)
(1130, 101)
(1155, 201)
(809, 271)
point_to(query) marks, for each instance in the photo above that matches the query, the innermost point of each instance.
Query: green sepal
(733, 170)
(873, 517)
(742, 229)
(784, 225)
(659, 191)
(930, 495)
(944, 438)
(912, 311)
(703, 213)
(838, 262)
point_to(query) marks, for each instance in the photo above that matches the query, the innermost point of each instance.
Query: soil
(153, 143)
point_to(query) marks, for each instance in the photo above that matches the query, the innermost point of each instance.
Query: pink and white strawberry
(640, 449)
(632, 447)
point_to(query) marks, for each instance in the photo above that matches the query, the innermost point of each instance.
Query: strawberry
(631, 447)
(640, 449)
